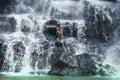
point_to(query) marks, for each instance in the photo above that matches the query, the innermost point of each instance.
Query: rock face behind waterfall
(50, 32)
(19, 52)
(99, 26)
(3, 49)
(70, 30)
(67, 30)
(85, 34)
(39, 55)
(7, 6)
(7, 24)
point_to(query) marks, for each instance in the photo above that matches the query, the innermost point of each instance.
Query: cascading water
(27, 49)
(82, 44)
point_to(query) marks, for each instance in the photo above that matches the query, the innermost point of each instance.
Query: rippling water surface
(3, 77)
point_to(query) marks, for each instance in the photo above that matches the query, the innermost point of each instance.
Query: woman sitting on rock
(58, 32)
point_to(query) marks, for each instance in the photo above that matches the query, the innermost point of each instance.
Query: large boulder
(7, 24)
(66, 63)
(70, 65)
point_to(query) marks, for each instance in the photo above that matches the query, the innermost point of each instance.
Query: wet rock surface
(68, 64)
(98, 28)
(67, 30)
(39, 55)
(99, 33)
(50, 30)
(7, 24)
(19, 52)
(3, 49)
(60, 55)
(7, 6)
(70, 30)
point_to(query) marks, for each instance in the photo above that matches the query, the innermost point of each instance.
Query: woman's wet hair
(58, 24)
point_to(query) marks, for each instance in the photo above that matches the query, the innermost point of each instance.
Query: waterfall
(87, 36)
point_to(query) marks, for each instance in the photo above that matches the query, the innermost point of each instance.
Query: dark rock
(65, 63)
(34, 58)
(101, 72)
(57, 68)
(85, 61)
(98, 28)
(39, 54)
(7, 24)
(45, 45)
(52, 22)
(105, 70)
(58, 44)
(7, 6)
(19, 49)
(62, 52)
(75, 30)
(70, 30)
(67, 30)
(19, 52)
(60, 64)
(32, 72)
(3, 49)
(84, 67)
(50, 33)
(86, 64)
(58, 50)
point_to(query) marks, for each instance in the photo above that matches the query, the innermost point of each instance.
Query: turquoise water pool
(3, 77)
